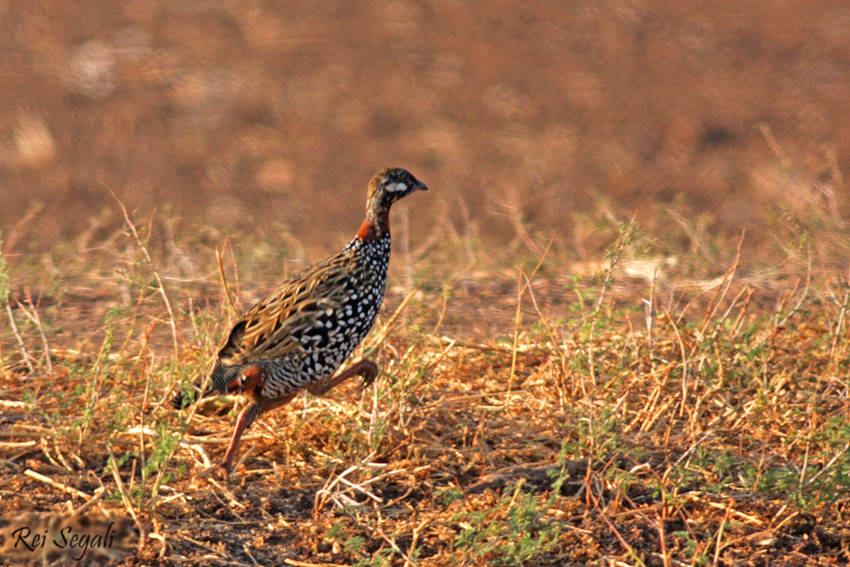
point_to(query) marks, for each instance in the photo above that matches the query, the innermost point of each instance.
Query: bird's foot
(368, 372)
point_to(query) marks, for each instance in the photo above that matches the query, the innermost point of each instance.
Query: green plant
(692, 548)
(512, 533)
(517, 530)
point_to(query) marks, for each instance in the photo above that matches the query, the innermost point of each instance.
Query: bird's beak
(421, 186)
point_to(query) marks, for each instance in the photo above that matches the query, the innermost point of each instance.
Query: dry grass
(522, 417)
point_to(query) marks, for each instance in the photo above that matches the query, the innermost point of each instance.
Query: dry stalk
(447, 286)
(648, 414)
(764, 128)
(378, 530)
(125, 498)
(99, 493)
(562, 394)
(629, 549)
(717, 298)
(16, 404)
(18, 445)
(36, 320)
(839, 325)
(732, 306)
(746, 517)
(163, 466)
(513, 212)
(18, 229)
(56, 484)
(739, 321)
(650, 313)
(696, 239)
(24, 352)
(417, 532)
(518, 315)
(517, 322)
(325, 493)
(780, 323)
(684, 363)
(199, 449)
(230, 560)
(840, 453)
(295, 563)
(717, 547)
(250, 555)
(662, 538)
(160, 285)
(543, 320)
(521, 349)
(224, 283)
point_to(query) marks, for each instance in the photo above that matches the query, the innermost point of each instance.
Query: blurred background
(526, 119)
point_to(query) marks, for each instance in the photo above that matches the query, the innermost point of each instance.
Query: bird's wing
(301, 314)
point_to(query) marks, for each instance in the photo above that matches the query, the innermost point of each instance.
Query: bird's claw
(368, 378)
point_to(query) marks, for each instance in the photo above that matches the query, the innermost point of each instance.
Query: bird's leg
(246, 418)
(365, 368)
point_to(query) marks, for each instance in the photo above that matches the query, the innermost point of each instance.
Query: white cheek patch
(393, 187)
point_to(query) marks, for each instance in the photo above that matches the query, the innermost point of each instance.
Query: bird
(296, 338)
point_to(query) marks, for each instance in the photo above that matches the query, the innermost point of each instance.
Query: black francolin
(298, 336)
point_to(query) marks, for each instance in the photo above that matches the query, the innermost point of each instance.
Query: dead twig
(224, 283)
(24, 352)
(36, 320)
(56, 484)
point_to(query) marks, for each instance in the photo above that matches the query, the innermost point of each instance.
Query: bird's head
(388, 186)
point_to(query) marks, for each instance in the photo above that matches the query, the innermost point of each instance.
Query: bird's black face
(391, 184)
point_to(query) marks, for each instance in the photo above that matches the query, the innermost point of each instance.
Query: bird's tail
(220, 377)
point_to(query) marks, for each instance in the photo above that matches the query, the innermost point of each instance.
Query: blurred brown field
(615, 332)
(545, 117)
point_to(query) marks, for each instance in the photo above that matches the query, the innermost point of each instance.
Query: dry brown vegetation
(522, 418)
(561, 386)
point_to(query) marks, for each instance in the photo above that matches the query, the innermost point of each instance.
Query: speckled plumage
(298, 336)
